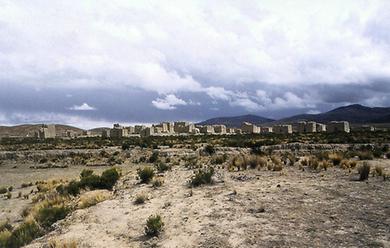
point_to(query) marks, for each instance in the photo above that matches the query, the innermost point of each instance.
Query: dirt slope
(242, 209)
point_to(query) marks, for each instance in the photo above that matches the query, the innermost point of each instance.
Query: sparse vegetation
(146, 174)
(209, 149)
(157, 183)
(364, 171)
(162, 167)
(92, 199)
(140, 199)
(154, 226)
(202, 176)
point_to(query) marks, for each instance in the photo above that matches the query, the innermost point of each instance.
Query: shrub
(209, 149)
(125, 146)
(4, 237)
(378, 170)
(157, 183)
(140, 199)
(313, 163)
(25, 185)
(5, 225)
(10, 188)
(154, 157)
(86, 173)
(8, 195)
(336, 158)
(73, 188)
(219, 159)
(162, 167)
(91, 182)
(202, 176)
(92, 199)
(109, 178)
(278, 167)
(154, 226)
(24, 234)
(3, 190)
(46, 216)
(364, 171)
(365, 155)
(62, 244)
(146, 174)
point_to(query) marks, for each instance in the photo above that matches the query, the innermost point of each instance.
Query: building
(207, 129)
(320, 127)
(282, 129)
(119, 132)
(230, 130)
(266, 129)
(184, 127)
(307, 127)
(338, 126)
(46, 132)
(247, 127)
(147, 131)
(220, 129)
(138, 128)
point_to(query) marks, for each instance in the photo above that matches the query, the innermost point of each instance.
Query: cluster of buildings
(187, 128)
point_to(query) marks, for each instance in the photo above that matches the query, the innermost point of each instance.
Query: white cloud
(169, 46)
(168, 103)
(82, 107)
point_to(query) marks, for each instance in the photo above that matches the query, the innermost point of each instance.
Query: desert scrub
(209, 149)
(220, 159)
(378, 171)
(92, 198)
(154, 157)
(202, 176)
(3, 190)
(21, 235)
(157, 183)
(336, 158)
(146, 174)
(140, 199)
(162, 167)
(364, 171)
(55, 243)
(154, 225)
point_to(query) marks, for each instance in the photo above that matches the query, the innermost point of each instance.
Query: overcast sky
(92, 63)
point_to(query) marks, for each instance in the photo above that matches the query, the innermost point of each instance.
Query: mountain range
(355, 114)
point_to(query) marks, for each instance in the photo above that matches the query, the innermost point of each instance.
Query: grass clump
(336, 158)
(92, 199)
(62, 244)
(162, 167)
(22, 235)
(154, 226)
(146, 174)
(157, 183)
(202, 176)
(3, 190)
(378, 171)
(209, 149)
(364, 171)
(140, 199)
(154, 157)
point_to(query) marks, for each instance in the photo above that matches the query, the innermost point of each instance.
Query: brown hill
(28, 130)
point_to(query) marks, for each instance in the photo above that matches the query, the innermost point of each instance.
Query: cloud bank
(266, 57)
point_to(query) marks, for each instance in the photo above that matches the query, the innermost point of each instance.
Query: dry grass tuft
(55, 243)
(92, 198)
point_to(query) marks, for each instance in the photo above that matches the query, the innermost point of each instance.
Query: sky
(93, 63)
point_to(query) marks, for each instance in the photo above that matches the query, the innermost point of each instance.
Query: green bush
(146, 174)
(153, 158)
(202, 176)
(48, 215)
(86, 173)
(23, 234)
(140, 199)
(162, 167)
(3, 190)
(73, 188)
(92, 182)
(109, 178)
(209, 149)
(364, 171)
(125, 146)
(154, 225)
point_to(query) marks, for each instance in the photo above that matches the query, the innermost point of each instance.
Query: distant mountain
(98, 130)
(28, 130)
(355, 113)
(236, 121)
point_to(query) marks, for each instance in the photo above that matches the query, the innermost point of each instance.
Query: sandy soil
(241, 209)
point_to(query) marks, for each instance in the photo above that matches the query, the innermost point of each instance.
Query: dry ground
(241, 209)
